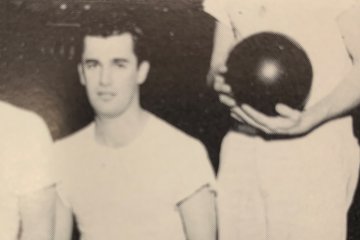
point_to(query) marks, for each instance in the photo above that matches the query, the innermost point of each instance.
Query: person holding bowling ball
(343, 99)
(272, 186)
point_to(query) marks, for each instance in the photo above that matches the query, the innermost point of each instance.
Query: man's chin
(108, 114)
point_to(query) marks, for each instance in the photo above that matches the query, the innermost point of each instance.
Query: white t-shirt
(25, 145)
(313, 24)
(131, 192)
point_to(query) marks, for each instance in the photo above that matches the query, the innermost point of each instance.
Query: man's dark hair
(112, 23)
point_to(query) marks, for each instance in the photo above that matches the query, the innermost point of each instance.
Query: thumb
(286, 111)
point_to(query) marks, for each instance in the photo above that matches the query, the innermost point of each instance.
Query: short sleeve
(349, 24)
(30, 158)
(196, 173)
(60, 168)
(61, 192)
(350, 16)
(216, 9)
(338, 8)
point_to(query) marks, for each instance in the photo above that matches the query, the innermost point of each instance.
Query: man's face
(111, 74)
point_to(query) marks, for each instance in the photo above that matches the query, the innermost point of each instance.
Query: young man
(27, 196)
(297, 188)
(129, 175)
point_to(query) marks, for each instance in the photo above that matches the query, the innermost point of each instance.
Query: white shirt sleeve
(350, 14)
(61, 192)
(337, 8)
(60, 172)
(349, 24)
(216, 9)
(31, 160)
(195, 173)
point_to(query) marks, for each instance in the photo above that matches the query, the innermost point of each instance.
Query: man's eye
(91, 65)
(120, 65)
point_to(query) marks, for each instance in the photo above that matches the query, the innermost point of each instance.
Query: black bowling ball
(269, 68)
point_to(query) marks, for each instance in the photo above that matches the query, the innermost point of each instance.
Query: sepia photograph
(179, 119)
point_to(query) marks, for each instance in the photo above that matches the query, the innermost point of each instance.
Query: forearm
(199, 216)
(224, 41)
(345, 97)
(347, 94)
(37, 215)
(64, 221)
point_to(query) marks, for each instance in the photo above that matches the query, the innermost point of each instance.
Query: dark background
(37, 71)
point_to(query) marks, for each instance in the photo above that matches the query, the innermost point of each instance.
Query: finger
(225, 88)
(257, 116)
(219, 79)
(227, 100)
(222, 88)
(218, 86)
(287, 111)
(278, 125)
(246, 118)
(222, 69)
(237, 118)
(218, 83)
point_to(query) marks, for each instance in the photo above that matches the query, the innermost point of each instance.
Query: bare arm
(37, 214)
(198, 213)
(64, 221)
(347, 95)
(224, 41)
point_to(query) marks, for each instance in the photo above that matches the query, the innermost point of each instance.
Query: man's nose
(105, 77)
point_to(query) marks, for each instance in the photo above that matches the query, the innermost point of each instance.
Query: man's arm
(347, 95)
(37, 214)
(224, 41)
(63, 221)
(198, 213)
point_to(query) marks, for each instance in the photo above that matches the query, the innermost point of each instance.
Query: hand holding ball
(269, 68)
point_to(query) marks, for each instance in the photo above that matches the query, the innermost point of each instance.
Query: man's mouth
(105, 95)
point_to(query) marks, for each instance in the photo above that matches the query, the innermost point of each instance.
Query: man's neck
(120, 131)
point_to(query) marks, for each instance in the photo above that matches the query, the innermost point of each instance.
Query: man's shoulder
(165, 129)
(17, 120)
(17, 114)
(178, 150)
(164, 132)
(68, 153)
(80, 137)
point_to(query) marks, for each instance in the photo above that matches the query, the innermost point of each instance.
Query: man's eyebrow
(120, 60)
(89, 60)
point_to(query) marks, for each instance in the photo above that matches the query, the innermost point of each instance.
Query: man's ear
(81, 74)
(143, 71)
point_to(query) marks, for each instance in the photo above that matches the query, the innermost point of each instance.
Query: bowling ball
(269, 68)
